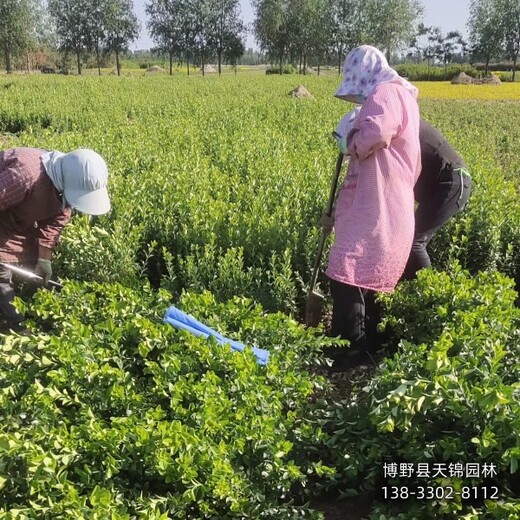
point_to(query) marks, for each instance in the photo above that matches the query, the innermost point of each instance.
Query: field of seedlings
(217, 186)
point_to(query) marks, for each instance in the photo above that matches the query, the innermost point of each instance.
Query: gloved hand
(327, 222)
(44, 269)
(342, 144)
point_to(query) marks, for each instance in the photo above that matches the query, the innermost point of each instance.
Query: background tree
(227, 26)
(95, 25)
(448, 45)
(392, 23)
(17, 24)
(302, 23)
(426, 44)
(233, 49)
(271, 27)
(165, 26)
(42, 38)
(71, 21)
(510, 29)
(203, 14)
(348, 27)
(483, 24)
(321, 31)
(122, 28)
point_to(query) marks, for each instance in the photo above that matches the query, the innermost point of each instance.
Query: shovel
(314, 303)
(25, 273)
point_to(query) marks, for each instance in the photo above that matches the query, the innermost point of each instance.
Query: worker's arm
(378, 123)
(49, 232)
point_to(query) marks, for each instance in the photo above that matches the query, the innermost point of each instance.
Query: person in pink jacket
(374, 215)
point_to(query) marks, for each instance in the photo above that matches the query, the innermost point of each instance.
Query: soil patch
(300, 92)
(155, 69)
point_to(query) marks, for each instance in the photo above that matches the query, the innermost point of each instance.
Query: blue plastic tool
(181, 320)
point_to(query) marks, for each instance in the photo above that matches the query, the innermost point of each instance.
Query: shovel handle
(324, 234)
(334, 185)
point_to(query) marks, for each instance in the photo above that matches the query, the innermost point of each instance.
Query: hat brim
(90, 202)
(342, 92)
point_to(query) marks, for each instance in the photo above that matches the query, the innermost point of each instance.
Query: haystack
(208, 68)
(491, 79)
(155, 69)
(463, 79)
(300, 92)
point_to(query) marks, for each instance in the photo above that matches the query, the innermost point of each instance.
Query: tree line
(295, 31)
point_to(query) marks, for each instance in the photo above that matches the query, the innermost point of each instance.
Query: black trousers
(355, 315)
(450, 197)
(7, 311)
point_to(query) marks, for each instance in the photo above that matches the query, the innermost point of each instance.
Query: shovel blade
(313, 309)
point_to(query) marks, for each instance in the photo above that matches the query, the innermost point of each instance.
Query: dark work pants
(7, 310)
(450, 197)
(355, 315)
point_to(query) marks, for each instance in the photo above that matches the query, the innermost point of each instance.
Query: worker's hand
(342, 144)
(327, 222)
(44, 269)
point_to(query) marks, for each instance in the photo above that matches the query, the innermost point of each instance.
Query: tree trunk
(188, 62)
(488, 57)
(281, 60)
(170, 52)
(118, 65)
(7, 55)
(300, 68)
(339, 63)
(319, 60)
(97, 59)
(202, 60)
(219, 58)
(514, 67)
(445, 69)
(428, 60)
(78, 56)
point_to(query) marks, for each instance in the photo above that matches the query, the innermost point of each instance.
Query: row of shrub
(106, 412)
(448, 397)
(229, 193)
(286, 69)
(421, 72)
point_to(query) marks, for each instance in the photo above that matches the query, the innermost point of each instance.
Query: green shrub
(230, 195)
(286, 69)
(113, 414)
(420, 72)
(449, 395)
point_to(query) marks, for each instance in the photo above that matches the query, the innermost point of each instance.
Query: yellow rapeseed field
(445, 90)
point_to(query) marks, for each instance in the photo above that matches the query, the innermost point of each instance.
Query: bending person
(38, 190)
(442, 191)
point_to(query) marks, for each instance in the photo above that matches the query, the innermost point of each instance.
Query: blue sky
(449, 15)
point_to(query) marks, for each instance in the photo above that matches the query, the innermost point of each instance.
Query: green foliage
(208, 193)
(420, 72)
(217, 184)
(449, 395)
(286, 69)
(113, 414)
